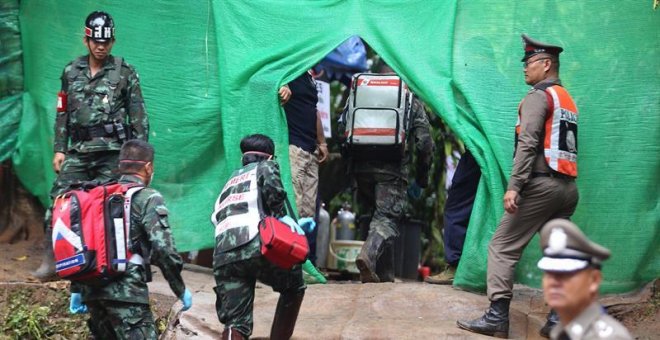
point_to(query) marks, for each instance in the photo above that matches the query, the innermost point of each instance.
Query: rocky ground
(339, 310)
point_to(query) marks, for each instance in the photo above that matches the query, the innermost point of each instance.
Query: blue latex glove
(291, 223)
(307, 224)
(186, 298)
(414, 190)
(76, 306)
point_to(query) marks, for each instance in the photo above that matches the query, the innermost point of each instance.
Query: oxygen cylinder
(322, 237)
(345, 223)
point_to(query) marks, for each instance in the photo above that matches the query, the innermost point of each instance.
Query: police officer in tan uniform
(542, 185)
(572, 263)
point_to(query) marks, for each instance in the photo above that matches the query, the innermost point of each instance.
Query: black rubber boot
(368, 257)
(551, 322)
(46, 271)
(286, 315)
(385, 264)
(232, 334)
(495, 322)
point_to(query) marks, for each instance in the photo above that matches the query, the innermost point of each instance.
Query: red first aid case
(280, 245)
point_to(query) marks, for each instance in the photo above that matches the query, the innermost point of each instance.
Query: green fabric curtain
(11, 77)
(210, 71)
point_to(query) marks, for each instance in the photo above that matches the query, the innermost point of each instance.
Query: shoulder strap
(290, 209)
(113, 78)
(544, 85)
(287, 205)
(128, 197)
(115, 74)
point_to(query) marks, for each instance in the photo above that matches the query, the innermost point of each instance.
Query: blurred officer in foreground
(572, 264)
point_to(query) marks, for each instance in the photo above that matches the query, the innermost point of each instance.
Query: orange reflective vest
(560, 132)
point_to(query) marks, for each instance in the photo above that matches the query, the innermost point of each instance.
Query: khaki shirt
(529, 156)
(592, 323)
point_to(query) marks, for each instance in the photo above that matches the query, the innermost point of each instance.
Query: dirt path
(340, 310)
(19, 259)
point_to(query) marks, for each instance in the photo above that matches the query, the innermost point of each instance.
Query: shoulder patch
(603, 329)
(162, 210)
(149, 194)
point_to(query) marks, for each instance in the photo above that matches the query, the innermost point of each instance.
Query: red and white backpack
(377, 116)
(91, 239)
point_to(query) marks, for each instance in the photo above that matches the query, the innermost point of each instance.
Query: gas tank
(322, 237)
(345, 223)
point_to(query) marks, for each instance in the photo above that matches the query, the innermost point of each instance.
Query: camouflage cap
(566, 249)
(533, 47)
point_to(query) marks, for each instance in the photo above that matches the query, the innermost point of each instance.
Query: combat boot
(232, 334)
(551, 322)
(286, 315)
(368, 257)
(446, 277)
(385, 264)
(46, 271)
(495, 322)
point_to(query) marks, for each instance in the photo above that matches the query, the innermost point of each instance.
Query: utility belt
(553, 175)
(121, 132)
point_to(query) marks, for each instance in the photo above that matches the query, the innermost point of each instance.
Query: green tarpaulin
(210, 71)
(11, 77)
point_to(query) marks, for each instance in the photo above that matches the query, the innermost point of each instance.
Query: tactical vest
(237, 211)
(560, 130)
(111, 80)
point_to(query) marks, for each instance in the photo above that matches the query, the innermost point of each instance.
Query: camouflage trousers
(120, 320)
(305, 179)
(89, 166)
(82, 167)
(383, 196)
(235, 289)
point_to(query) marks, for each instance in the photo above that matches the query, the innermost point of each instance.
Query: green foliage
(25, 323)
(161, 320)
(30, 315)
(430, 206)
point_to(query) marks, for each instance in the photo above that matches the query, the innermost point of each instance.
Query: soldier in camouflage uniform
(120, 309)
(253, 191)
(381, 189)
(100, 106)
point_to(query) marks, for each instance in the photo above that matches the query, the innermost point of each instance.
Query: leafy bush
(40, 313)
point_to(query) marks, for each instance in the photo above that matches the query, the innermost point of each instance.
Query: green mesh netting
(11, 77)
(210, 71)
